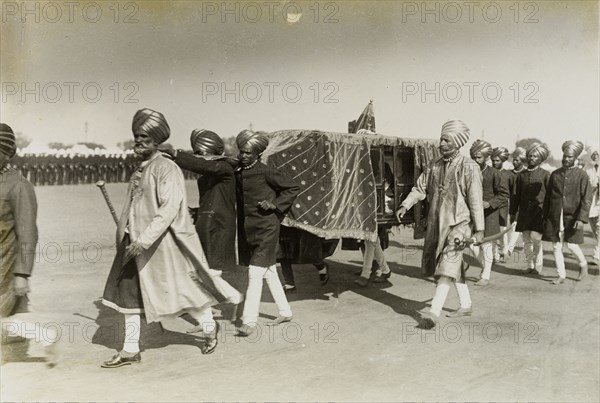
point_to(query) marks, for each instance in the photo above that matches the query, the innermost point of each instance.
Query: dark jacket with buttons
(530, 192)
(568, 191)
(215, 223)
(495, 192)
(258, 229)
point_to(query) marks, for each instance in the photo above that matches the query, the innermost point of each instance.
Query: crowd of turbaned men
(167, 265)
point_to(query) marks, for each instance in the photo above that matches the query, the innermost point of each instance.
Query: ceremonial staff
(102, 187)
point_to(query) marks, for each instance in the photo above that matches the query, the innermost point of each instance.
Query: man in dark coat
(499, 157)
(519, 157)
(215, 222)
(263, 196)
(495, 198)
(530, 192)
(566, 209)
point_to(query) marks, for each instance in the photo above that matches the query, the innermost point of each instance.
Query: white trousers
(373, 251)
(594, 225)
(513, 237)
(441, 293)
(501, 245)
(254, 292)
(557, 248)
(485, 255)
(131, 344)
(534, 253)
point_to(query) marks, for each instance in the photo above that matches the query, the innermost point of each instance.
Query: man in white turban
(566, 209)
(452, 185)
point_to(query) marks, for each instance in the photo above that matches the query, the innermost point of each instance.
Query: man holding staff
(160, 269)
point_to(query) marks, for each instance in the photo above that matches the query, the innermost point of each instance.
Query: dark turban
(519, 154)
(153, 123)
(207, 142)
(257, 142)
(540, 149)
(575, 146)
(501, 152)
(458, 130)
(8, 145)
(481, 146)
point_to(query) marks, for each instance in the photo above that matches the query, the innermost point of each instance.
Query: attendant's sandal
(279, 320)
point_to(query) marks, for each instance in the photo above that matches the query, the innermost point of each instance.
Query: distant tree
(525, 143)
(231, 147)
(92, 145)
(22, 140)
(126, 145)
(58, 146)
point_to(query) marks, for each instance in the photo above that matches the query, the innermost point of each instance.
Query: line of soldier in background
(48, 170)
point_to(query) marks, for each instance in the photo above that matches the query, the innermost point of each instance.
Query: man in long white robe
(452, 185)
(160, 269)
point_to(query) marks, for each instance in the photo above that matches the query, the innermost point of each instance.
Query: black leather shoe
(324, 278)
(213, 340)
(362, 281)
(382, 278)
(119, 361)
(287, 288)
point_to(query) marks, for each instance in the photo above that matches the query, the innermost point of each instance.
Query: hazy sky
(222, 66)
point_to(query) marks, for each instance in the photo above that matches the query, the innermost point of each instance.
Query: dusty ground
(527, 340)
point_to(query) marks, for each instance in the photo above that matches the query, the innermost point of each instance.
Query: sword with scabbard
(461, 244)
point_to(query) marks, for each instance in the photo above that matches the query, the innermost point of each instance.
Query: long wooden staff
(102, 187)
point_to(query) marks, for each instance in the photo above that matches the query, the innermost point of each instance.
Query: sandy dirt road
(527, 339)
